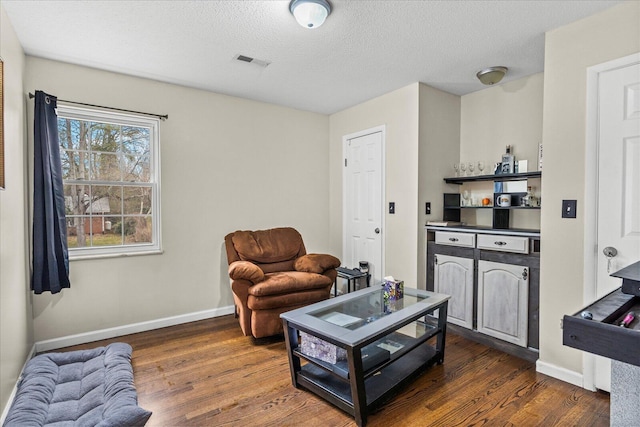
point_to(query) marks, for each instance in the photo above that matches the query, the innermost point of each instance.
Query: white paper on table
(340, 319)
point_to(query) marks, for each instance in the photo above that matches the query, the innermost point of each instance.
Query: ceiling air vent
(244, 58)
(259, 62)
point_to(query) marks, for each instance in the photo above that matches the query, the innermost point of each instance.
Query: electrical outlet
(427, 208)
(569, 208)
(392, 207)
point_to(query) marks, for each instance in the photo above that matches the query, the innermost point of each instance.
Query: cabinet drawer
(467, 240)
(496, 242)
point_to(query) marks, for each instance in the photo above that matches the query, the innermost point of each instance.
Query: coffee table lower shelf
(379, 387)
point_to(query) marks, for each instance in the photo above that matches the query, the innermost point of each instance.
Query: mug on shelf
(504, 200)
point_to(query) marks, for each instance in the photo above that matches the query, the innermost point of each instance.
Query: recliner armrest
(316, 263)
(245, 270)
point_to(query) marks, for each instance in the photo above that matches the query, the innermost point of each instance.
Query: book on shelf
(444, 223)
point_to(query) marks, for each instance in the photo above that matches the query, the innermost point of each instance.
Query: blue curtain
(50, 253)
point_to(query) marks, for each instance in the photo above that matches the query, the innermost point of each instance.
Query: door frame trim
(345, 138)
(591, 194)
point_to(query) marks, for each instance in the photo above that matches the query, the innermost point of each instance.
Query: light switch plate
(569, 208)
(427, 208)
(392, 207)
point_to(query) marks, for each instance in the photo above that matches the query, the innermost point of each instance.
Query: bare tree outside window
(109, 183)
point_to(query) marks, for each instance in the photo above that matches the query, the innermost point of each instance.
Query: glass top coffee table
(358, 349)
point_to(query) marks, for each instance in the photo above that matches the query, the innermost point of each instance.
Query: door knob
(610, 252)
(377, 230)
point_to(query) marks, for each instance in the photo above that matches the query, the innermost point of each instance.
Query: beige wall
(422, 134)
(398, 111)
(16, 335)
(569, 51)
(227, 164)
(439, 149)
(491, 119)
(507, 114)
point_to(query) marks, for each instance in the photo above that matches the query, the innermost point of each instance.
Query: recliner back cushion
(268, 246)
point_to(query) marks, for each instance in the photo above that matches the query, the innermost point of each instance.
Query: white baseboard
(12, 396)
(134, 328)
(562, 374)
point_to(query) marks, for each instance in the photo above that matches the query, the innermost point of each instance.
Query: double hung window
(111, 174)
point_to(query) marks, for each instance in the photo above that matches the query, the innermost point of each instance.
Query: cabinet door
(454, 276)
(502, 301)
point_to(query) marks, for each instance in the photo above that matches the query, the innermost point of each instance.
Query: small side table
(350, 275)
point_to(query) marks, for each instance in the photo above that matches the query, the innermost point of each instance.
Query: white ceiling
(365, 48)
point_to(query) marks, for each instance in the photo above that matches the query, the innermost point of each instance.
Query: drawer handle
(453, 239)
(499, 243)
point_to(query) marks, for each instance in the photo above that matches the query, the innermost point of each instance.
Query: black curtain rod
(160, 116)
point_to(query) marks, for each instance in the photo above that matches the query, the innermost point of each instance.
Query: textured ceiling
(365, 48)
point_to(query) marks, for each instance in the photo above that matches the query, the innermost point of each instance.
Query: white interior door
(618, 219)
(363, 200)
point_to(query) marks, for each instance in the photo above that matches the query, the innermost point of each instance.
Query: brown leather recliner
(271, 273)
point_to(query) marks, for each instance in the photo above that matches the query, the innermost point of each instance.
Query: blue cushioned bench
(78, 388)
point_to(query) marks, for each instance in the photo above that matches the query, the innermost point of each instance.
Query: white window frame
(67, 111)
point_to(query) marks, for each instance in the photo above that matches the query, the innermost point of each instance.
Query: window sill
(120, 255)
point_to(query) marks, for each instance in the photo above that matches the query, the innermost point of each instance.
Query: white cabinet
(493, 277)
(502, 301)
(454, 276)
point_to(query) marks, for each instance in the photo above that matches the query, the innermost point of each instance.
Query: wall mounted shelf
(497, 178)
(511, 207)
(452, 205)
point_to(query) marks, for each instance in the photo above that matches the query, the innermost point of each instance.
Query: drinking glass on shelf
(471, 167)
(456, 167)
(465, 198)
(480, 167)
(463, 168)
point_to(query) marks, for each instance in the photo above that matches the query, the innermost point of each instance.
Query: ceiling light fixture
(492, 75)
(310, 13)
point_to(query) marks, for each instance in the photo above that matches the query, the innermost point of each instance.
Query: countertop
(486, 230)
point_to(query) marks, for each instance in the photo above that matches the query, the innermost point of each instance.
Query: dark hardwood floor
(207, 374)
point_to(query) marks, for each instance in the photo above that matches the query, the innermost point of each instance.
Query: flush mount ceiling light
(310, 13)
(492, 75)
